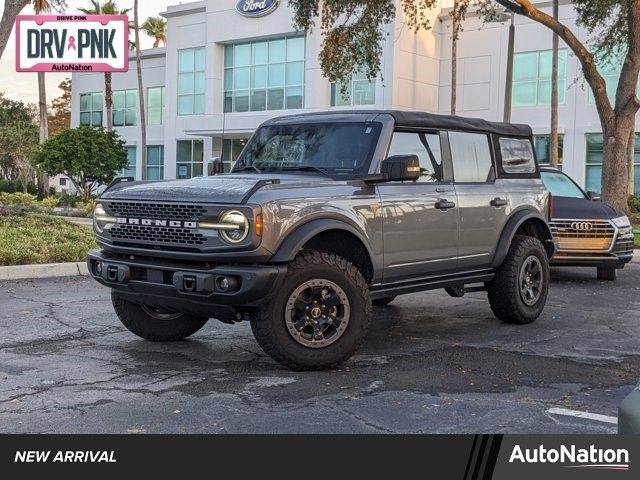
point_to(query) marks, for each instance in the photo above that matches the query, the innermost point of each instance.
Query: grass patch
(37, 238)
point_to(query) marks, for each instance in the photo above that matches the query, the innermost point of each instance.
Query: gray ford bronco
(322, 217)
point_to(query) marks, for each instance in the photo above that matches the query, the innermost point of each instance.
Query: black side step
(430, 283)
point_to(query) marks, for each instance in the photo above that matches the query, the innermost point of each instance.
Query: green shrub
(86, 207)
(67, 200)
(17, 198)
(51, 201)
(634, 203)
(37, 238)
(12, 186)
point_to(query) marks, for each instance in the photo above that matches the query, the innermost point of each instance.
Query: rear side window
(471, 157)
(517, 155)
(426, 146)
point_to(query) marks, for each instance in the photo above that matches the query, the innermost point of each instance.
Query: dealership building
(230, 65)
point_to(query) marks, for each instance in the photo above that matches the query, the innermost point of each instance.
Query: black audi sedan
(586, 231)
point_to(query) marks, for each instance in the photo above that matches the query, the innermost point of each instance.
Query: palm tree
(40, 7)
(156, 27)
(108, 7)
(143, 119)
(553, 137)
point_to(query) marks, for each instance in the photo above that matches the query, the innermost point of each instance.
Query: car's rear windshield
(560, 185)
(336, 149)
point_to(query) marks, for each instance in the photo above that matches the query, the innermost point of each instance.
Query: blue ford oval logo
(256, 8)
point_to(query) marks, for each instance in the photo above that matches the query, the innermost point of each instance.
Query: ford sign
(256, 8)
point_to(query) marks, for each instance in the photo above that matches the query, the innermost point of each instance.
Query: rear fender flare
(516, 220)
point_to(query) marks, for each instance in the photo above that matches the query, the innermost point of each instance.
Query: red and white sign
(70, 43)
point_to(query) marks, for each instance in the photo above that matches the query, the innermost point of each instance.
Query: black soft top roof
(408, 119)
(454, 122)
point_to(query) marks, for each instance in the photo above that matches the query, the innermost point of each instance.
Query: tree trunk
(615, 173)
(11, 9)
(553, 137)
(108, 100)
(143, 119)
(631, 153)
(454, 58)
(43, 178)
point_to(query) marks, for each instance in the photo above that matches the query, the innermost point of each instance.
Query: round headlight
(101, 218)
(240, 221)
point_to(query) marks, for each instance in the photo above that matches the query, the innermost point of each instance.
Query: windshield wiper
(247, 168)
(306, 168)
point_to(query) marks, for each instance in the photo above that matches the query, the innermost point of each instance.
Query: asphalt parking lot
(432, 364)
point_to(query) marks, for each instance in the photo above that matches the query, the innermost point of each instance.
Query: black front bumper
(186, 287)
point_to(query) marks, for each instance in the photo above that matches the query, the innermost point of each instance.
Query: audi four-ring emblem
(582, 226)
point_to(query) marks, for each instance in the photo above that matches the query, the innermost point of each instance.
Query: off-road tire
(607, 274)
(504, 290)
(268, 323)
(382, 302)
(133, 316)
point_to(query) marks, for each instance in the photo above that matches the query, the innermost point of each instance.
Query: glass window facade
(541, 143)
(360, 91)
(267, 75)
(125, 108)
(189, 158)
(231, 148)
(191, 81)
(91, 109)
(155, 105)
(130, 171)
(532, 78)
(155, 162)
(595, 158)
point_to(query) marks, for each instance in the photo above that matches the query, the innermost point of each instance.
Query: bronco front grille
(583, 235)
(140, 233)
(173, 211)
(161, 235)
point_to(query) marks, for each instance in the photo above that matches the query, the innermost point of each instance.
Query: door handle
(498, 202)
(444, 204)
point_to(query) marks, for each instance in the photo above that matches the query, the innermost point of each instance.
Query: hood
(582, 209)
(234, 189)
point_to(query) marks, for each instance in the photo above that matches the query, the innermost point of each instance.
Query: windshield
(560, 185)
(335, 149)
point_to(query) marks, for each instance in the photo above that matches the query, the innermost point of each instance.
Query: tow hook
(113, 273)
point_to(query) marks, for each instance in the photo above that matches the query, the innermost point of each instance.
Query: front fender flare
(509, 231)
(294, 242)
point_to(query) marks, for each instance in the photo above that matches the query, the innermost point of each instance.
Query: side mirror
(401, 167)
(215, 167)
(594, 197)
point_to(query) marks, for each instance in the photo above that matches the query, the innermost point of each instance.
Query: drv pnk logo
(59, 43)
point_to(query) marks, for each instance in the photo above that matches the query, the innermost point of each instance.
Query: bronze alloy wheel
(317, 313)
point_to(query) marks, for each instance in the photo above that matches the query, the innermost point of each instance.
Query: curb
(49, 270)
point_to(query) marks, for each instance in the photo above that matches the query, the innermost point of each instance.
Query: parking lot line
(586, 415)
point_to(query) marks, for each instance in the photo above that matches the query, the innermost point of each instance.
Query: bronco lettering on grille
(146, 222)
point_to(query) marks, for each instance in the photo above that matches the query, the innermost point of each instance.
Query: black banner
(464, 457)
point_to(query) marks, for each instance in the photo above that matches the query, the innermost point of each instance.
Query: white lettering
(253, 5)
(31, 456)
(516, 454)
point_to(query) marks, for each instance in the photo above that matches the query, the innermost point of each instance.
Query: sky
(24, 86)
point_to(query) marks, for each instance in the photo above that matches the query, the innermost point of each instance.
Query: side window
(426, 146)
(517, 155)
(471, 157)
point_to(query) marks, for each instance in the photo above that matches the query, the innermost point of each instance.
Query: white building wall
(416, 75)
